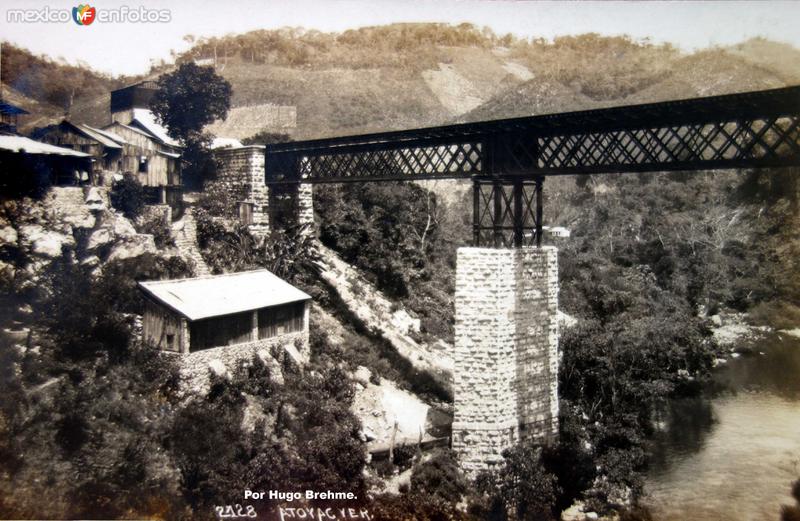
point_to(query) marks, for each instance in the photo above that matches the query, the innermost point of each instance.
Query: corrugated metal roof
(148, 121)
(110, 135)
(173, 155)
(213, 296)
(99, 137)
(29, 146)
(132, 129)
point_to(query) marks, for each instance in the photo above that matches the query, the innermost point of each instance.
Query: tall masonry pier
(506, 351)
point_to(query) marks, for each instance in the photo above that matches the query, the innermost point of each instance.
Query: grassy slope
(397, 76)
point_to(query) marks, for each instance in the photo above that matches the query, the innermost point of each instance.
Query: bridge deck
(752, 129)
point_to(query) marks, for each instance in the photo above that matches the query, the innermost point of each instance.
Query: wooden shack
(190, 315)
(148, 150)
(153, 162)
(106, 152)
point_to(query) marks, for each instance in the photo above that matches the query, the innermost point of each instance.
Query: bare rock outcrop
(45, 242)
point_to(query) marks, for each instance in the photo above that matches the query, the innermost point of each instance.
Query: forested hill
(410, 75)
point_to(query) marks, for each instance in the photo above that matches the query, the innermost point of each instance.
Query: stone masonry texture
(195, 368)
(506, 352)
(241, 176)
(305, 206)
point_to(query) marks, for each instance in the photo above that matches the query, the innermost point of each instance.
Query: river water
(733, 453)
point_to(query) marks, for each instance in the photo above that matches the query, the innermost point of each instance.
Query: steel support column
(507, 212)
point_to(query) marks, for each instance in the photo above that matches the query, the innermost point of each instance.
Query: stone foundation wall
(241, 176)
(506, 351)
(195, 367)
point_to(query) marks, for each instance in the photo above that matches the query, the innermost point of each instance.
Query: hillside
(311, 84)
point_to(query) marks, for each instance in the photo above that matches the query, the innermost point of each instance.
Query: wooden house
(253, 307)
(106, 152)
(148, 151)
(154, 163)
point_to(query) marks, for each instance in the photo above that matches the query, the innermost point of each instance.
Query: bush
(117, 289)
(397, 234)
(439, 477)
(521, 489)
(384, 468)
(776, 314)
(160, 229)
(127, 196)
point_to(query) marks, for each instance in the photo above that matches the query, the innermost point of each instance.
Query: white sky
(128, 48)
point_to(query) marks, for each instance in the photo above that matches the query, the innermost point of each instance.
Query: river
(732, 453)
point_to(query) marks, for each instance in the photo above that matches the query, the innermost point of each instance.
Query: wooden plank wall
(161, 327)
(221, 331)
(161, 170)
(281, 320)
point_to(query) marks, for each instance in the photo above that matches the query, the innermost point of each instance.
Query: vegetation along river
(732, 453)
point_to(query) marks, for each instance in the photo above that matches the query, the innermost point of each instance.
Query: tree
(186, 101)
(189, 99)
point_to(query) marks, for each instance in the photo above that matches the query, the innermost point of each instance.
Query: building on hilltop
(254, 309)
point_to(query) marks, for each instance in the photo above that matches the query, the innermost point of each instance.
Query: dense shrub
(266, 137)
(394, 232)
(290, 254)
(127, 196)
(439, 477)
(117, 289)
(160, 229)
(521, 489)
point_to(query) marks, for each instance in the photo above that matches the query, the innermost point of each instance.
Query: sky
(129, 48)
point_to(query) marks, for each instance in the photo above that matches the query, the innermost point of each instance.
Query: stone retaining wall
(195, 367)
(506, 351)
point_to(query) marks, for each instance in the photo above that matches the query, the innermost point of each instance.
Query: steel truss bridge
(508, 159)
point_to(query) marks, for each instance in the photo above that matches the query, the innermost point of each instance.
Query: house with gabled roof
(149, 152)
(230, 318)
(105, 151)
(144, 156)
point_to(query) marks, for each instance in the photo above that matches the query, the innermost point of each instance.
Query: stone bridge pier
(506, 351)
(241, 176)
(291, 205)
